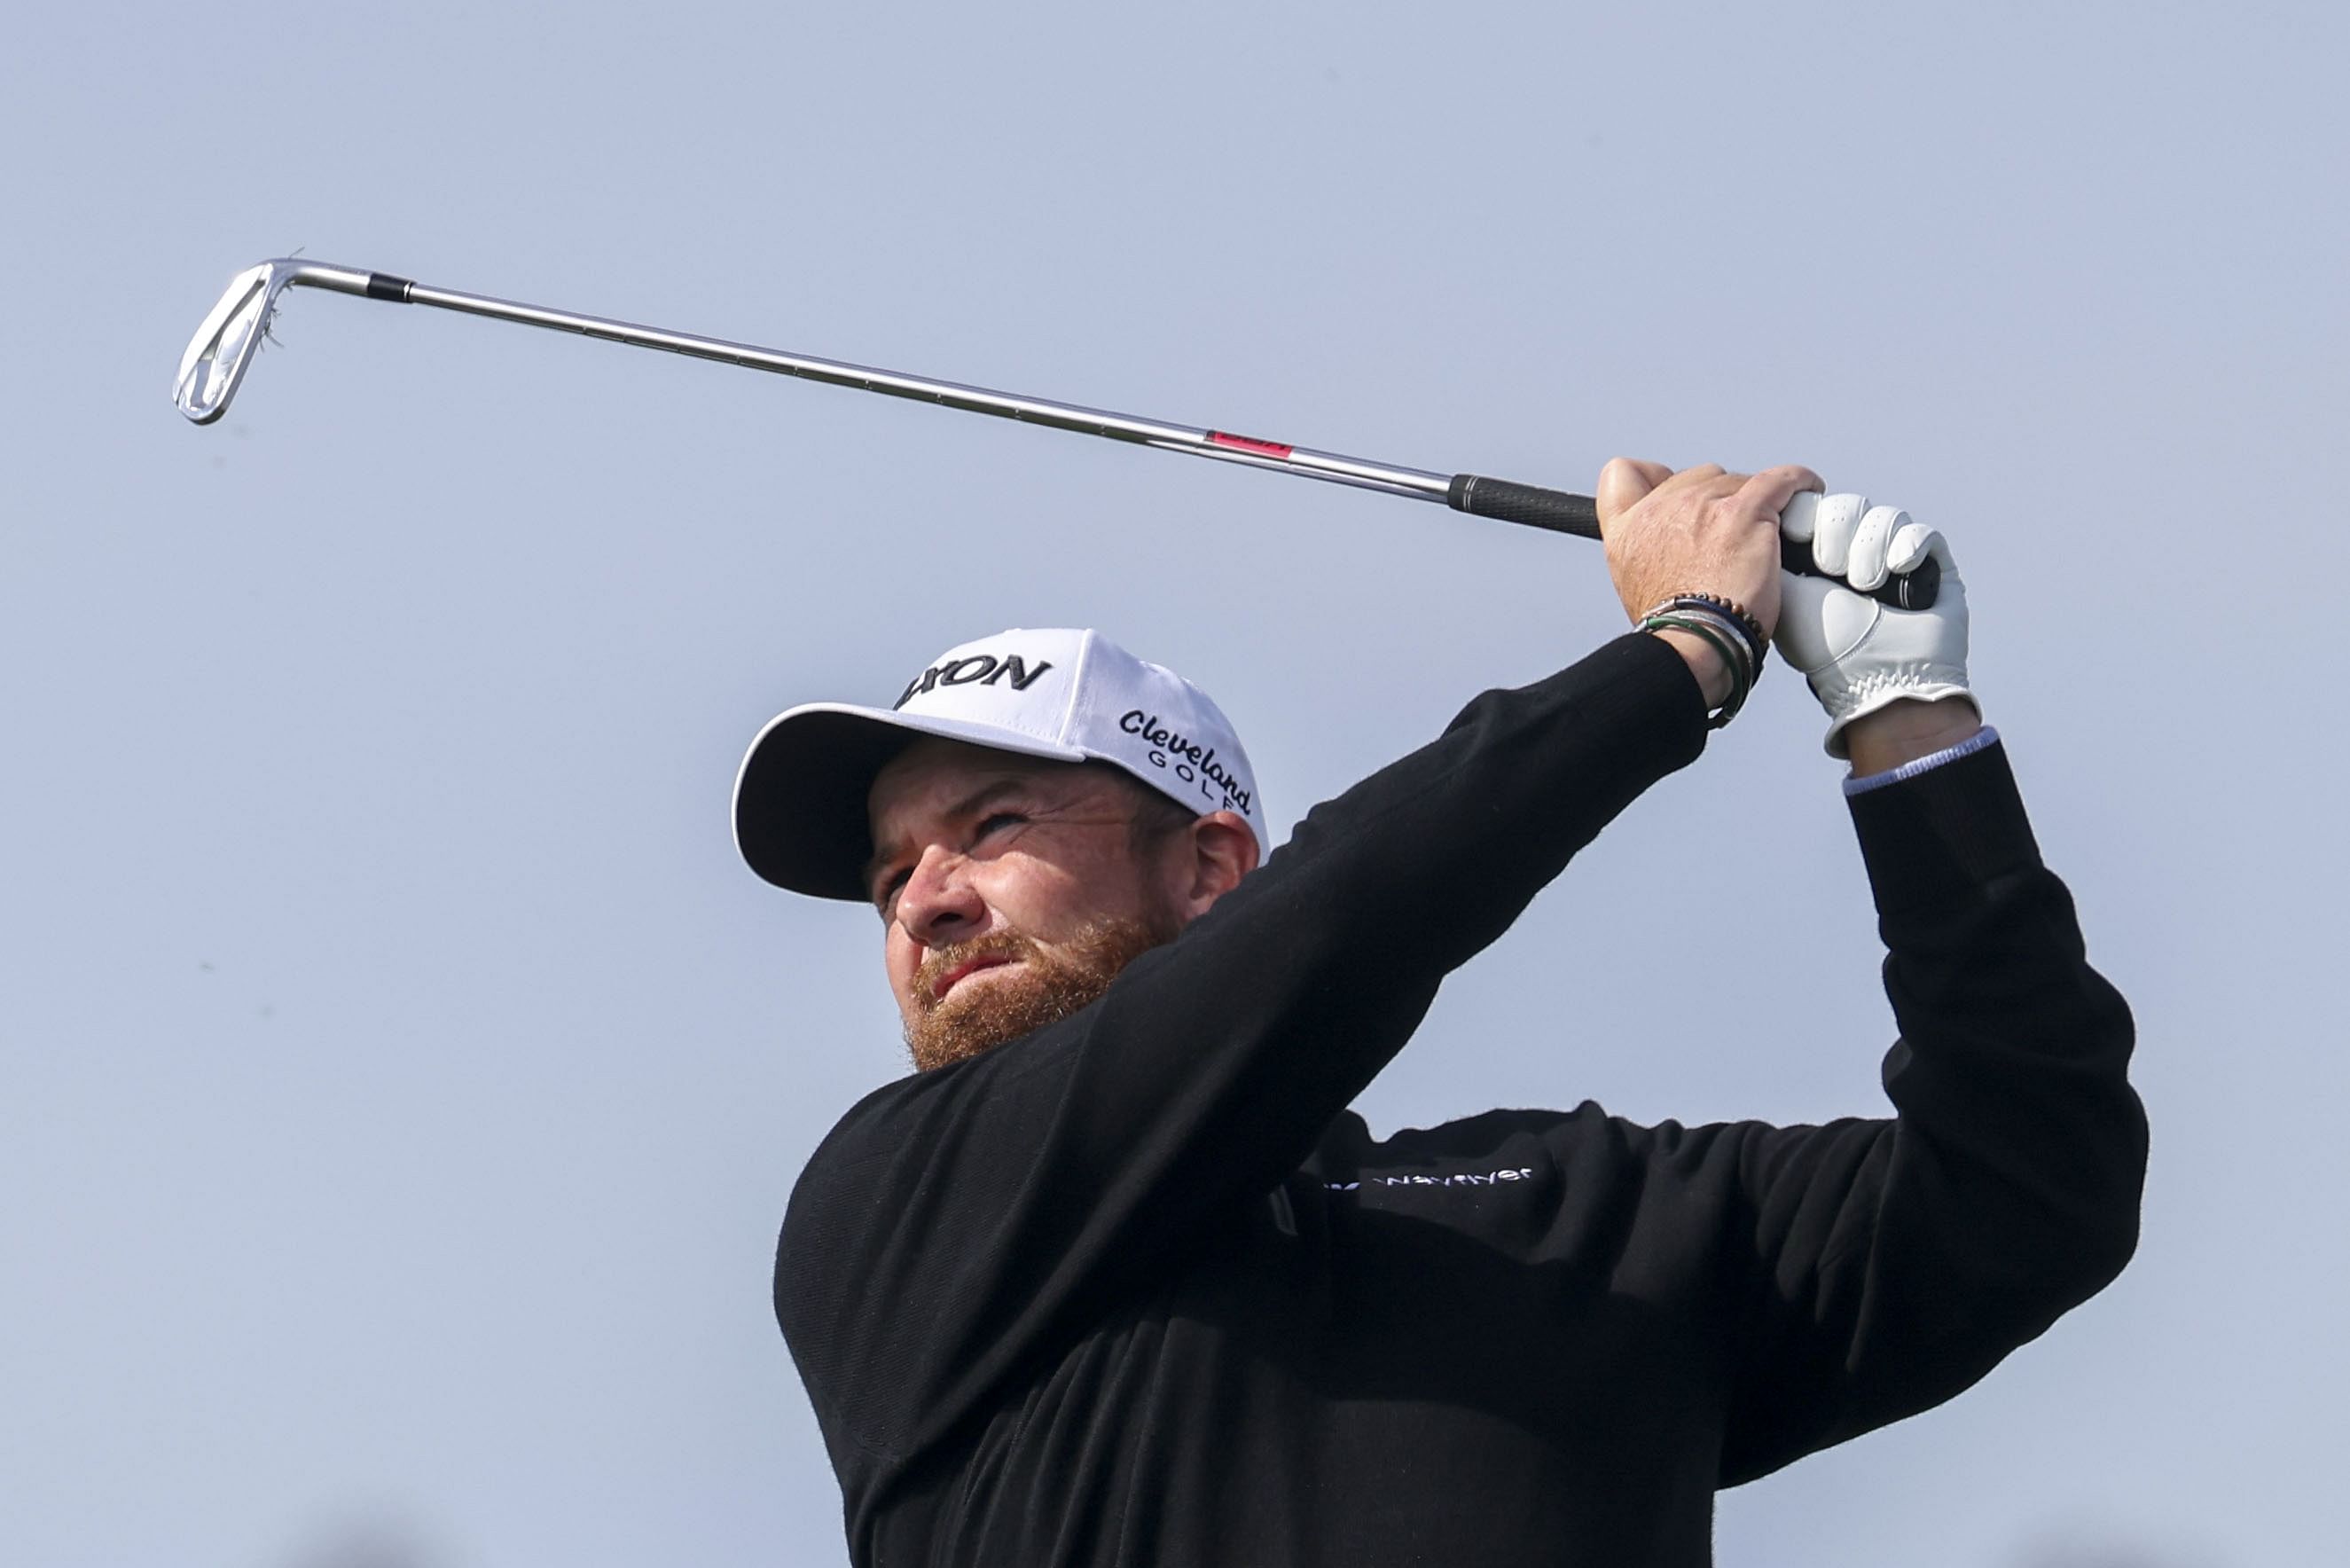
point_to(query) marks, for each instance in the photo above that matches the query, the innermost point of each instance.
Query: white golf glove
(1861, 655)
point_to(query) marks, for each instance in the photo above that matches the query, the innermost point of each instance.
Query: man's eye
(885, 896)
(997, 822)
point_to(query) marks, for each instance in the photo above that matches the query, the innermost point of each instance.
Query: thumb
(1624, 484)
(1803, 633)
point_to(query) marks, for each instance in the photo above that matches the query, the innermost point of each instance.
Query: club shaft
(1199, 441)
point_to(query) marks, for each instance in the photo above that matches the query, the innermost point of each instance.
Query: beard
(1052, 983)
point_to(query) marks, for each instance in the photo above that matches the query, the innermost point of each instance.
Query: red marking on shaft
(1249, 444)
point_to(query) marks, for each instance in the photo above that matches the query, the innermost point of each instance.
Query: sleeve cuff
(1944, 831)
(1862, 784)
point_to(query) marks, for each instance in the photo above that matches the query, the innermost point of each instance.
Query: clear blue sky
(400, 1079)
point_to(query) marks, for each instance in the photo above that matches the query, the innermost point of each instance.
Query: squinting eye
(1000, 819)
(885, 897)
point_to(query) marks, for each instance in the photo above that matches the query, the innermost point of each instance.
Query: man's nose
(938, 903)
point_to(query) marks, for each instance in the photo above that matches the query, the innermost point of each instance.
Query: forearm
(1342, 938)
(1896, 1263)
(2021, 1146)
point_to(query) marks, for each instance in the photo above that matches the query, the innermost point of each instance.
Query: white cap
(1074, 695)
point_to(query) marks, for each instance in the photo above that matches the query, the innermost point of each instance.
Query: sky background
(400, 1077)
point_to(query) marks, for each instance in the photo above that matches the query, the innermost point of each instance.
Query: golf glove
(1857, 654)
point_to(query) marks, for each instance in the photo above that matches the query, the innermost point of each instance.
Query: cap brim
(800, 799)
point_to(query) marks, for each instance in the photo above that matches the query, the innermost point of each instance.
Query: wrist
(1705, 662)
(1907, 730)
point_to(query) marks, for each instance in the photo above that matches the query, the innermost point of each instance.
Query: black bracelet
(1756, 643)
(1723, 639)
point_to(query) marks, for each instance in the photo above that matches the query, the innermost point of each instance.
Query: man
(1117, 1277)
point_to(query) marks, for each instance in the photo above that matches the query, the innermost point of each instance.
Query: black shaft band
(383, 286)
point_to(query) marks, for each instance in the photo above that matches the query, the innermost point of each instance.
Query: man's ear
(1222, 851)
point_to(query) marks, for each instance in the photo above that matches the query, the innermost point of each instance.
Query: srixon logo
(974, 670)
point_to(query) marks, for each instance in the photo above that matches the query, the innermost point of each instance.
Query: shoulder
(914, 1139)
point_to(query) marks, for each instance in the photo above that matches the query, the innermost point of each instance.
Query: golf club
(222, 351)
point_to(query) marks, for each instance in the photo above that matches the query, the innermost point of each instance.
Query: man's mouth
(955, 976)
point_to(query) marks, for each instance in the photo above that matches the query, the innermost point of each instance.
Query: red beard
(1051, 984)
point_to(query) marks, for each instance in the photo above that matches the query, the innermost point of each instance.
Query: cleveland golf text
(1195, 766)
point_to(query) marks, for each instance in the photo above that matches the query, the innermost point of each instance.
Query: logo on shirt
(1458, 1178)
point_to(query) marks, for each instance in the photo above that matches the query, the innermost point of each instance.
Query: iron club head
(214, 365)
(217, 356)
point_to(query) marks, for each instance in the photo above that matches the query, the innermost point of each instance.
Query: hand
(1866, 659)
(1700, 531)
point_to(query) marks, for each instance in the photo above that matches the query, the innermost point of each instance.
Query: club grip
(1578, 515)
(1912, 590)
(1529, 504)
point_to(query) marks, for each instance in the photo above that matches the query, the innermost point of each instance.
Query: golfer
(1115, 1277)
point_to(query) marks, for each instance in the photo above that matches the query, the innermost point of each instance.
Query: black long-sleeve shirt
(1138, 1289)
